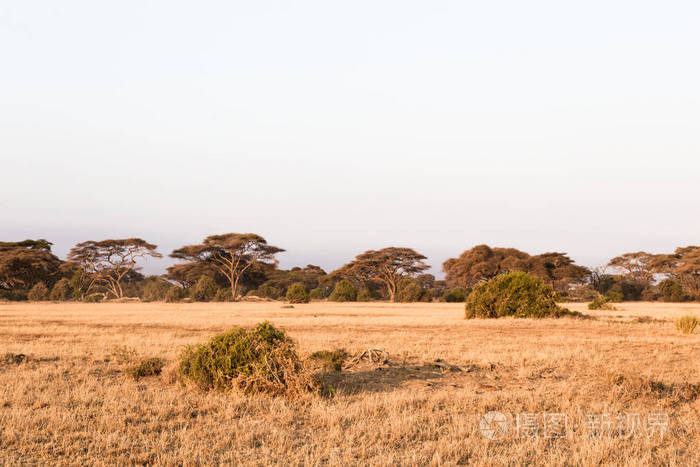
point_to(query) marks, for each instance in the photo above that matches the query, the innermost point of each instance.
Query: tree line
(233, 266)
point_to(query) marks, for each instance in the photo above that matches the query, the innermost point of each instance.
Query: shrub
(364, 295)
(686, 324)
(61, 291)
(408, 290)
(332, 360)
(297, 293)
(601, 303)
(204, 289)
(457, 294)
(265, 291)
(175, 294)
(343, 291)
(155, 290)
(261, 359)
(223, 295)
(316, 294)
(671, 291)
(38, 292)
(515, 294)
(146, 367)
(613, 296)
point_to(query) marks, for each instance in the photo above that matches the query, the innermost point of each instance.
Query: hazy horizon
(331, 128)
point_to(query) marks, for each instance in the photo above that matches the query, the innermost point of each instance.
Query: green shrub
(515, 294)
(456, 294)
(38, 293)
(672, 291)
(13, 295)
(297, 293)
(261, 359)
(265, 291)
(155, 290)
(223, 295)
(408, 290)
(364, 295)
(61, 291)
(332, 360)
(686, 324)
(343, 291)
(614, 297)
(146, 367)
(601, 303)
(316, 294)
(204, 289)
(175, 294)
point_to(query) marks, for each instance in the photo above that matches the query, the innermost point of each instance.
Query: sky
(333, 127)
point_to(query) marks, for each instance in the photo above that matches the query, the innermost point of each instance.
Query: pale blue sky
(334, 127)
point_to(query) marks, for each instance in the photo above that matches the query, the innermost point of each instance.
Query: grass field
(70, 402)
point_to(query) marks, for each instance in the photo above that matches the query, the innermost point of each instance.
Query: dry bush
(330, 359)
(601, 303)
(146, 367)
(258, 360)
(686, 324)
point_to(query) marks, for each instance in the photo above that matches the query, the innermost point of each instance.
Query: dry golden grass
(71, 401)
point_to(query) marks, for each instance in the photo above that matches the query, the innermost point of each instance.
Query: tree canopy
(387, 266)
(483, 262)
(26, 263)
(108, 262)
(231, 254)
(684, 266)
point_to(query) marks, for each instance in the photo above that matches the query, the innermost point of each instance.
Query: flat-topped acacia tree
(232, 254)
(109, 261)
(684, 266)
(25, 263)
(388, 266)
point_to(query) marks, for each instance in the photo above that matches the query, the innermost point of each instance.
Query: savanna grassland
(66, 398)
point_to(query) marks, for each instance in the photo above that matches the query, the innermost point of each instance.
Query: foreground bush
(343, 291)
(38, 292)
(515, 294)
(298, 293)
(686, 324)
(261, 359)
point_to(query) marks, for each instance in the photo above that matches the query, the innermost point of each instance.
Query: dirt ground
(623, 388)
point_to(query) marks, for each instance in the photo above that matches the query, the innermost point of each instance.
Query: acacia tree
(684, 266)
(637, 267)
(108, 262)
(231, 254)
(387, 266)
(483, 262)
(26, 263)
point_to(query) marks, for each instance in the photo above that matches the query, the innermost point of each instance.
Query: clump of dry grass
(332, 360)
(258, 360)
(147, 367)
(14, 358)
(686, 324)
